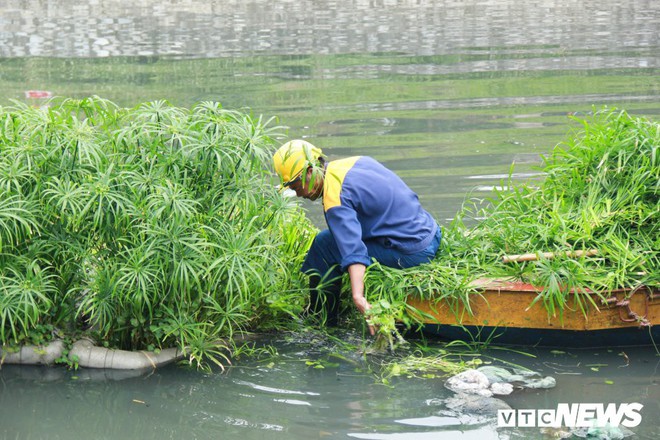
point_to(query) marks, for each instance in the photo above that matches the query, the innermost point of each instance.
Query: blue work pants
(323, 257)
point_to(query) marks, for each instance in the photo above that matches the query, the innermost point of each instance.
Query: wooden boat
(501, 309)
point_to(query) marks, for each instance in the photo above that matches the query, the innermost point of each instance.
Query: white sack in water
(470, 382)
(517, 377)
(487, 381)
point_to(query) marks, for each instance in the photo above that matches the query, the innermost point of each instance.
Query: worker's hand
(356, 274)
(363, 305)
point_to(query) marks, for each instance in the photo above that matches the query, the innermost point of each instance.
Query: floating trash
(38, 94)
(488, 381)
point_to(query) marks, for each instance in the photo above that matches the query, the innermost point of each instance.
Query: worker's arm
(356, 275)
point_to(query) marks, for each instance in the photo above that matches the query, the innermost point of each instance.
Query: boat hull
(616, 337)
(505, 312)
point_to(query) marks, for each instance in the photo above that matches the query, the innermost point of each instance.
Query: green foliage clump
(601, 190)
(150, 226)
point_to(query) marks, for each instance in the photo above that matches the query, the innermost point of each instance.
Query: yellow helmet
(293, 157)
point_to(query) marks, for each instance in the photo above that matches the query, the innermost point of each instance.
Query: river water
(283, 396)
(447, 93)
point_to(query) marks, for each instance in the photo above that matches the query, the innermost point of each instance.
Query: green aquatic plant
(147, 227)
(428, 363)
(600, 192)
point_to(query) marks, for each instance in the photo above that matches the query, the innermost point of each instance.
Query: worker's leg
(324, 257)
(322, 266)
(397, 259)
(324, 299)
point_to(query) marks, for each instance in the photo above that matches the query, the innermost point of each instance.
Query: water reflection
(559, 30)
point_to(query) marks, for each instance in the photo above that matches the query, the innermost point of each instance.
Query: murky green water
(280, 396)
(447, 93)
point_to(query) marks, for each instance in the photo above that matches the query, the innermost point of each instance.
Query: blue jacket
(363, 200)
